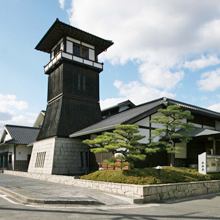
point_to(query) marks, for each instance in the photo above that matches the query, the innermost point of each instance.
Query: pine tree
(174, 128)
(123, 141)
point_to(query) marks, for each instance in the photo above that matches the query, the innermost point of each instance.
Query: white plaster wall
(73, 40)
(156, 125)
(144, 122)
(69, 47)
(146, 133)
(91, 54)
(22, 151)
(46, 145)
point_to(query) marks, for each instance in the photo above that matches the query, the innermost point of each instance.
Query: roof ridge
(191, 105)
(152, 101)
(21, 126)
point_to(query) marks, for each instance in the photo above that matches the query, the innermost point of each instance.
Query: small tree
(173, 128)
(124, 141)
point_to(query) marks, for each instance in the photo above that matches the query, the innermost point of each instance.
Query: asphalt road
(200, 207)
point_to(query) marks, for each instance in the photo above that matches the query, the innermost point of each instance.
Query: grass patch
(150, 176)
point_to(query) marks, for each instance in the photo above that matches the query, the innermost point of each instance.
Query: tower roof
(60, 29)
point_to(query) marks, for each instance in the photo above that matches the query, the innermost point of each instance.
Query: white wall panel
(144, 122)
(73, 40)
(22, 151)
(156, 125)
(88, 45)
(78, 59)
(69, 47)
(88, 62)
(91, 54)
(146, 133)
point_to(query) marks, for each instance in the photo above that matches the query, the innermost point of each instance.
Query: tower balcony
(63, 55)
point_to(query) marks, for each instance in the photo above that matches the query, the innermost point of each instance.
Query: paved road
(196, 208)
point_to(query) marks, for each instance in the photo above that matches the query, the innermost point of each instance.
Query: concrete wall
(46, 145)
(59, 156)
(142, 193)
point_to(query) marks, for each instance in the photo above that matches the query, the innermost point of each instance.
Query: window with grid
(40, 159)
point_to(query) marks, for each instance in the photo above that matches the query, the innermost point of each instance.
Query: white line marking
(9, 200)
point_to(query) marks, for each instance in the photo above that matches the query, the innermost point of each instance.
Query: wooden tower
(73, 99)
(73, 84)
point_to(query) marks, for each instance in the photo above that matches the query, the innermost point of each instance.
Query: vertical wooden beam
(214, 146)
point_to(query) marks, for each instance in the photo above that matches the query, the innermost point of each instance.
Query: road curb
(25, 199)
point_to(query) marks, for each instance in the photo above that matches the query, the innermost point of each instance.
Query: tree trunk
(172, 159)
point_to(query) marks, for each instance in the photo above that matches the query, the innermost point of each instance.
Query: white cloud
(117, 83)
(136, 92)
(202, 62)
(62, 3)
(21, 120)
(139, 93)
(11, 112)
(210, 81)
(10, 101)
(110, 102)
(158, 76)
(156, 30)
(15, 120)
(161, 37)
(215, 107)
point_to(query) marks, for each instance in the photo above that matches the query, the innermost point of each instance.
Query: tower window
(85, 53)
(80, 51)
(76, 50)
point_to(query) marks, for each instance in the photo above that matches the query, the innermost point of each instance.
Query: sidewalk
(37, 191)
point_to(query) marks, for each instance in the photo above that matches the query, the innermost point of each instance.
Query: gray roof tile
(120, 118)
(22, 134)
(137, 112)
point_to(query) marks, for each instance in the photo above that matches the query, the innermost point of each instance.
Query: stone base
(62, 156)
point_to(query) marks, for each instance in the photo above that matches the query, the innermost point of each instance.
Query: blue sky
(161, 48)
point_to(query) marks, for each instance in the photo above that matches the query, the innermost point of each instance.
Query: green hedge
(150, 176)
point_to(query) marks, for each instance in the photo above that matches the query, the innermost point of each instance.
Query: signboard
(202, 159)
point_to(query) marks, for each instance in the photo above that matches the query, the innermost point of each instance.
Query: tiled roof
(120, 118)
(138, 113)
(195, 109)
(60, 29)
(21, 134)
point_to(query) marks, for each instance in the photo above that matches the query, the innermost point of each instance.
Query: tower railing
(65, 55)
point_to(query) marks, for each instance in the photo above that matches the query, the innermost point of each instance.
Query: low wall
(141, 193)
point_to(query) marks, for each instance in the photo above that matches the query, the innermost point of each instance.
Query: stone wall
(141, 193)
(70, 157)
